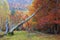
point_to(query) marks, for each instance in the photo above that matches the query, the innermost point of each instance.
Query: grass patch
(23, 35)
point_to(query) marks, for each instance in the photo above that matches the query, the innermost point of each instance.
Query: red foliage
(47, 15)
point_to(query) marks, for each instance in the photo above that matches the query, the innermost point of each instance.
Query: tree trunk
(19, 24)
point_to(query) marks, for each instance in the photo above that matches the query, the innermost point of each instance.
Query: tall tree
(4, 11)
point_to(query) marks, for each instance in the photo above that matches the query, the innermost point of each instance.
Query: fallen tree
(27, 19)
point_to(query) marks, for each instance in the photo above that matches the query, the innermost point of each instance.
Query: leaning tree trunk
(19, 24)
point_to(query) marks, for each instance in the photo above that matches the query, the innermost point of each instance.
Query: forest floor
(23, 35)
